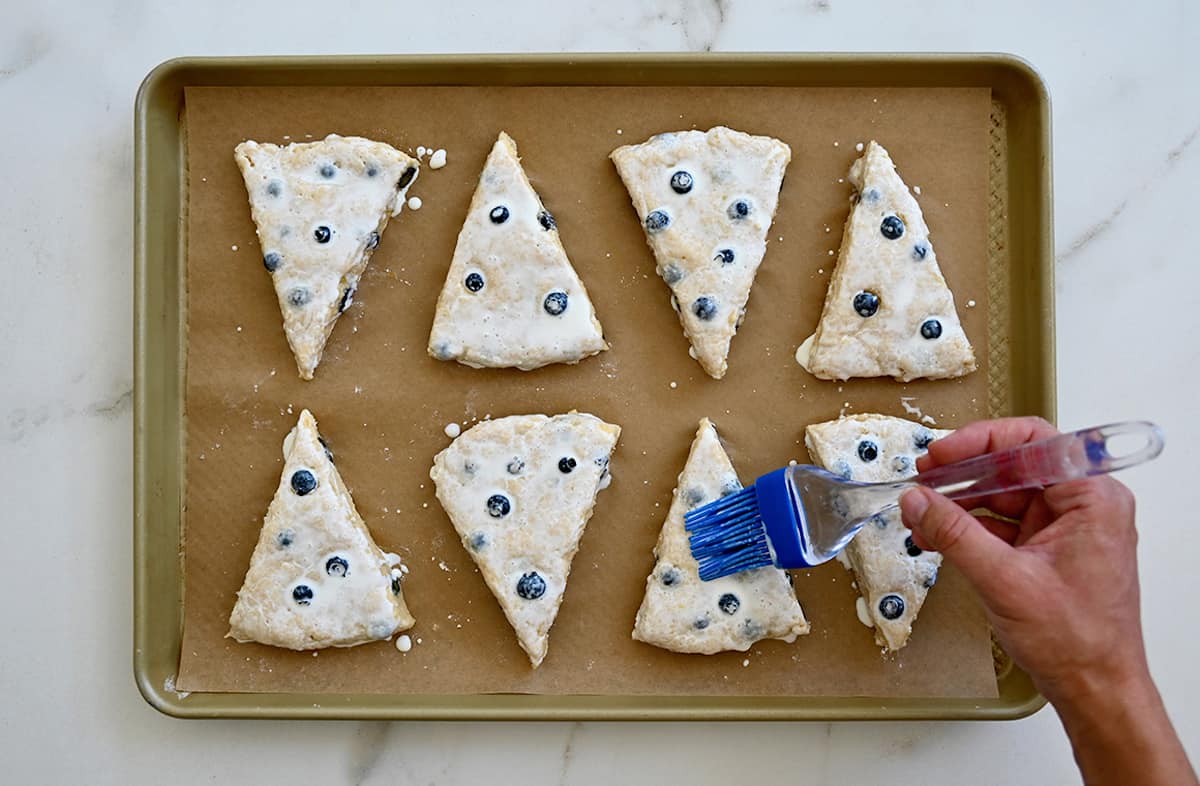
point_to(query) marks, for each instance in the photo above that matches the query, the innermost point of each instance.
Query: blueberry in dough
(891, 607)
(738, 210)
(478, 541)
(328, 171)
(868, 450)
(498, 506)
(892, 227)
(657, 221)
(705, 307)
(931, 579)
(694, 497)
(555, 303)
(322, 234)
(922, 438)
(681, 182)
(902, 463)
(912, 548)
(372, 170)
(866, 304)
(271, 261)
(672, 274)
(499, 214)
(729, 603)
(336, 566)
(347, 299)
(325, 445)
(285, 538)
(474, 282)
(841, 467)
(299, 296)
(546, 219)
(274, 188)
(302, 594)
(531, 586)
(395, 585)
(931, 328)
(515, 466)
(871, 195)
(407, 177)
(566, 464)
(701, 623)
(372, 241)
(669, 577)
(303, 482)
(920, 250)
(725, 255)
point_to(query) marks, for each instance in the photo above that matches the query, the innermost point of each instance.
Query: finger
(943, 526)
(1102, 499)
(987, 436)
(1007, 531)
(1010, 504)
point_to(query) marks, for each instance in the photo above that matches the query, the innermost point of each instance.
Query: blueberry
(325, 445)
(729, 603)
(336, 566)
(407, 177)
(657, 221)
(470, 467)
(498, 506)
(866, 304)
(442, 351)
(372, 170)
(327, 171)
(868, 450)
(303, 482)
(302, 594)
(725, 255)
(322, 234)
(566, 465)
(891, 607)
(931, 579)
(473, 282)
(752, 630)
(693, 497)
(681, 182)
(531, 586)
(347, 298)
(395, 585)
(701, 623)
(879, 521)
(669, 577)
(919, 251)
(274, 188)
(902, 463)
(602, 462)
(372, 241)
(499, 214)
(912, 548)
(705, 307)
(285, 538)
(555, 303)
(515, 466)
(271, 261)
(842, 467)
(672, 274)
(931, 328)
(738, 210)
(477, 541)
(731, 487)
(892, 227)
(922, 438)
(546, 219)
(299, 296)
(872, 195)
(840, 506)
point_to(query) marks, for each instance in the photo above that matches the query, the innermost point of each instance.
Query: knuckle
(949, 528)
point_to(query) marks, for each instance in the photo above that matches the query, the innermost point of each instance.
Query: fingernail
(913, 504)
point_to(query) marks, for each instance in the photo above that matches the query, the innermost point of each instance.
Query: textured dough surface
(682, 613)
(903, 273)
(347, 185)
(725, 167)
(518, 459)
(879, 554)
(317, 540)
(492, 311)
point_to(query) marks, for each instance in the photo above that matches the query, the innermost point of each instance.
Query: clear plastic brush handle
(1080, 454)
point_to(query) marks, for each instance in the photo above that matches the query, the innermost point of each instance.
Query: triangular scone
(519, 491)
(706, 200)
(893, 574)
(682, 613)
(511, 297)
(888, 311)
(316, 578)
(319, 208)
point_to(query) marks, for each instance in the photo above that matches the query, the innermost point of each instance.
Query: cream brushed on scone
(319, 209)
(706, 200)
(511, 297)
(519, 491)
(682, 613)
(893, 575)
(316, 577)
(888, 311)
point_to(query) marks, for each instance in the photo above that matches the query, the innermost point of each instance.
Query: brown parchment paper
(382, 403)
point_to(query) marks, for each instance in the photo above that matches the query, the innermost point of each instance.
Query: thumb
(980, 555)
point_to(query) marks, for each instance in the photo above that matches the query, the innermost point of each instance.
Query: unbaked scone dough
(511, 297)
(316, 577)
(893, 575)
(888, 311)
(706, 200)
(319, 209)
(519, 491)
(682, 613)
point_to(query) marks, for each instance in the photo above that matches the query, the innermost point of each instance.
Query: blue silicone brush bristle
(756, 527)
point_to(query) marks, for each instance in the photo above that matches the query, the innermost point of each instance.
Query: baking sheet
(382, 403)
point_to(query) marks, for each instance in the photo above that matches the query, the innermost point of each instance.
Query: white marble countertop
(1126, 119)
